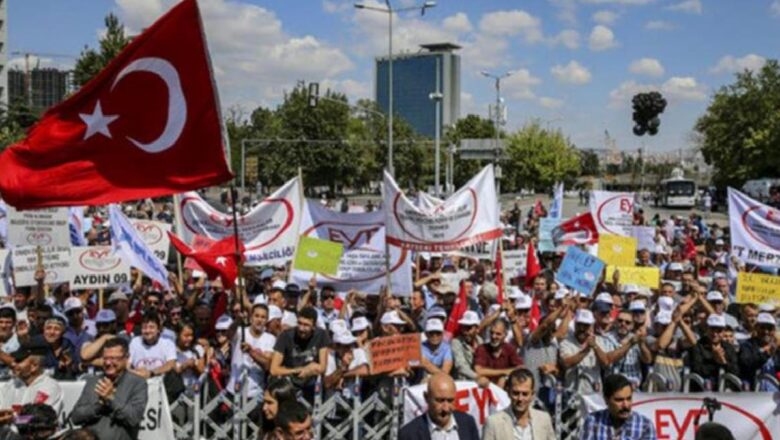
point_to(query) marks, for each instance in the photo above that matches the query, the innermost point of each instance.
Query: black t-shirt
(297, 352)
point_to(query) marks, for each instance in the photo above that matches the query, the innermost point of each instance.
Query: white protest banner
(467, 217)
(362, 266)
(127, 243)
(269, 231)
(55, 262)
(470, 398)
(747, 415)
(76, 226)
(556, 207)
(156, 424)
(155, 235)
(478, 251)
(96, 267)
(613, 212)
(38, 227)
(755, 230)
(514, 262)
(426, 201)
(645, 237)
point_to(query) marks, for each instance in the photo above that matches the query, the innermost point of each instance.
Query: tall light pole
(497, 116)
(390, 11)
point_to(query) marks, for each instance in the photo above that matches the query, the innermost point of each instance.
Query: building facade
(47, 87)
(415, 77)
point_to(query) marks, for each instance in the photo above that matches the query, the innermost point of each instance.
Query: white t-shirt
(243, 361)
(151, 357)
(189, 376)
(358, 358)
(589, 364)
(44, 389)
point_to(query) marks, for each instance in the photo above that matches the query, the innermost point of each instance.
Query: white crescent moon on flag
(177, 106)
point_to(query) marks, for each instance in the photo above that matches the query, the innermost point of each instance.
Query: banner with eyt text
(755, 230)
(613, 212)
(155, 235)
(97, 267)
(470, 398)
(363, 265)
(749, 416)
(269, 231)
(128, 243)
(470, 215)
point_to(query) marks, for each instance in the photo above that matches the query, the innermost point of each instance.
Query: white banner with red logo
(363, 265)
(470, 398)
(469, 216)
(155, 235)
(755, 230)
(96, 267)
(747, 415)
(613, 212)
(269, 231)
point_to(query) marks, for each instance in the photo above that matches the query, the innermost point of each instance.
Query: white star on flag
(97, 122)
(222, 261)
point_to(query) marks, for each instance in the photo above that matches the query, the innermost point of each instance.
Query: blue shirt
(599, 426)
(437, 357)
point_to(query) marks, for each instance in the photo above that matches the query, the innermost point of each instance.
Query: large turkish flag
(147, 125)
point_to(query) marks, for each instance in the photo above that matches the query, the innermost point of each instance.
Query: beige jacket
(499, 426)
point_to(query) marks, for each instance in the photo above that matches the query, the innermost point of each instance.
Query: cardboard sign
(96, 267)
(392, 353)
(580, 271)
(39, 227)
(641, 276)
(319, 256)
(758, 288)
(514, 263)
(645, 237)
(546, 226)
(56, 263)
(155, 235)
(617, 251)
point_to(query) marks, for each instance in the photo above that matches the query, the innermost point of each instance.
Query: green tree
(93, 61)
(589, 162)
(470, 127)
(739, 134)
(538, 158)
(15, 121)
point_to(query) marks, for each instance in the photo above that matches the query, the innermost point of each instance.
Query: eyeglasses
(625, 321)
(327, 297)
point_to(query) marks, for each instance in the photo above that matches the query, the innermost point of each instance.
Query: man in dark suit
(441, 421)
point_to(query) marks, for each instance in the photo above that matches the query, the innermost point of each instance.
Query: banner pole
(39, 266)
(177, 220)
(100, 299)
(298, 236)
(240, 288)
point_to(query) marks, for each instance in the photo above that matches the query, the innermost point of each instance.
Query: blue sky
(577, 63)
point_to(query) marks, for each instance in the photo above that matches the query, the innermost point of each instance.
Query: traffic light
(647, 107)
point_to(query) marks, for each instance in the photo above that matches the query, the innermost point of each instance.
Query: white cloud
(659, 25)
(468, 105)
(511, 23)
(336, 6)
(567, 11)
(520, 84)
(647, 66)
(569, 38)
(352, 88)
(618, 2)
(730, 64)
(601, 38)
(572, 73)
(689, 6)
(457, 23)
(605, 17)
(551, 103)
(675, 89)
(20, 63)
(775, 7)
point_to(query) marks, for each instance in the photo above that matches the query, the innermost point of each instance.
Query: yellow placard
(758, 288)
(617, 251)
(321, 256)
(641, 276)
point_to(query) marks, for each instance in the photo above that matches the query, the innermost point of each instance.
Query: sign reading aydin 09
(755, 230)
(469, 216)
(97, 267)
(269, 231)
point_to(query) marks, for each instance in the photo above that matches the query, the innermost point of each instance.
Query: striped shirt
(599, 426)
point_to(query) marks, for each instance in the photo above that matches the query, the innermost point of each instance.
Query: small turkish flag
(218, 260)
(577, 230)
(147, 125)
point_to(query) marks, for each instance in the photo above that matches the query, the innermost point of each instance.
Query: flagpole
(298, 236)
(177, 220)
(241, 291)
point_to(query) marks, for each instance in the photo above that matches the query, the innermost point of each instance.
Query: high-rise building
(415, 77)
(47, 87)
(3, 55)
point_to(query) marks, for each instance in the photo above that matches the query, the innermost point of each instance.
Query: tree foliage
(470, 127)
(15, 121)
(739, 134)
(93, 61)
(538, 158)
(589, 162)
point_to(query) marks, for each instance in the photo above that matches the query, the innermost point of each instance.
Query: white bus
(677, 192)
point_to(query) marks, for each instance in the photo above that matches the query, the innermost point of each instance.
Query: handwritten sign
(758, 288)
(392, 353)
(39, 227)
(580, 271)
(546, 226)
(55, 262)
(641, 276)
(514, 263)
(616, 250)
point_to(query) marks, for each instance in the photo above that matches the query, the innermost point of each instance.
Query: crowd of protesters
(276, 342)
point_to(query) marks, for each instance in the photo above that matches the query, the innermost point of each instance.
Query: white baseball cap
(766, 318)
(72, 303)
(584, 316)
(514, 292)
(561, 293)
(344, 338)
(337, 326)
(628, 288)
(766, 307)
(719, 242)
(714, 295)
(605, 297)
(524, 302)
(637, 306)
(392, 317)
(279, 285)
(274, 312)
(716, 320)
(663, 317)
(677, 267)
(289, 319)
(223, 323)
(665, 303)
(436, 312)
(260, 299)
(434, 325)
(470, 317)
(360, 323)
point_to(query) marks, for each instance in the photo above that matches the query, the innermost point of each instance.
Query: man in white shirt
(30, 384)
(252, 354)
(151, 355)
(9, 343)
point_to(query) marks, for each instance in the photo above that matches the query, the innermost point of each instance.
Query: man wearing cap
(30, 384)
(583, 349)
(346, 361)
(391, 323)
(436, 354)
(252, 354)
(711, 353)
(274, 324)
(755, 352)
(718, 304)
(464, 347)
(60, 358)
(276, 294)
(632, 343)
(105, 321)
(80, 330)
(119, 302)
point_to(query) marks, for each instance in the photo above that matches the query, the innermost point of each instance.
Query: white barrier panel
(747, 415)
(470, 398)
(157, 423)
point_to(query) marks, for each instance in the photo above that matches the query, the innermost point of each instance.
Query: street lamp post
(497, 116)
(390, 11)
